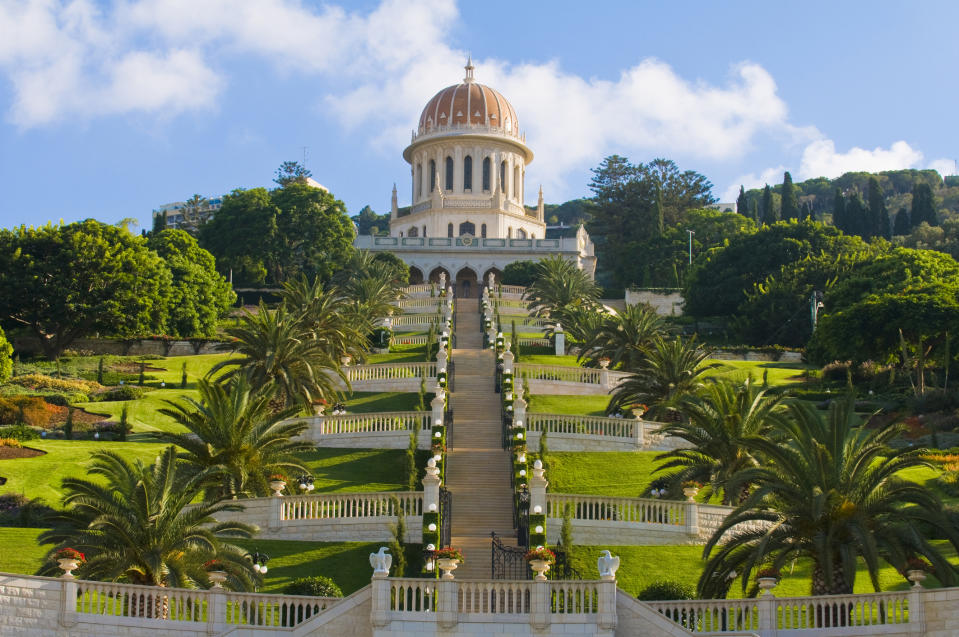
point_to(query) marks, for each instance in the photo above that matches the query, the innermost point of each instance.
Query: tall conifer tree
(839, 210)
(878, 214)
(923, 206)
(902, 225)
(790, 204)
(742, 206)
(769, 212)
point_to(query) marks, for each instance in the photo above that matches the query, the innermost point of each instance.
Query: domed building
(468, 159)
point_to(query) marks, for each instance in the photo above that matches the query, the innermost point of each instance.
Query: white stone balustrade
(378, 430)
(568, 432)
(415, 321)
(401, 377)
(326, 506)
(561, 379)
(419, 339)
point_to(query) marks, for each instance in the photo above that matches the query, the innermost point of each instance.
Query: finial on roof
(469, 69)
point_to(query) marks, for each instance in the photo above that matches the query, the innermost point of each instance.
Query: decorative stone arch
(435, 274)
(520, 233)
(416, 275)
(467, 284)
(497, 273)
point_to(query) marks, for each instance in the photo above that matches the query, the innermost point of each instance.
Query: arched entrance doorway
(466, 284)
(435, 275)
(416, 275)
(497, 274)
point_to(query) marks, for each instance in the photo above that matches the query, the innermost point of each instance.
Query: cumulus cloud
(820, 159)
(943, 166)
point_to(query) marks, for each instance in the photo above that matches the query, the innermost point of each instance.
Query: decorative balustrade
(583, 425)
(509, 303)
(767, 615)
(389, 371)
(407, 320)
(411, 595)
(494, 597)
(558, 373)
(217, 607)
(467, 203)
(418, 289)
(642, 510)
(530, 341)
(326, 506)
(512, 289)
(373, 422)
(420, 207)
(524, 321)
(431, 301)
(419, 339)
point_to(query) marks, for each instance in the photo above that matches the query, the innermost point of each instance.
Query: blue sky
(108, 110)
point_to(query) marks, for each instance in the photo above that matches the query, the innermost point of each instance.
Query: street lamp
(306, 482)
(259, 561)
(691, 233)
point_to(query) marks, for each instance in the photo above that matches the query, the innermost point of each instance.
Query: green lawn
(40, 477)
(368, 402)
(778, 374)
(641, 566)
(625, 473)
(21, 553)
(143, 413)
(358, 469)
(573, 405)
(548, 359)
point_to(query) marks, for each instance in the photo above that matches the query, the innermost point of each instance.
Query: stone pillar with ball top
(559, 340)
(537, 487)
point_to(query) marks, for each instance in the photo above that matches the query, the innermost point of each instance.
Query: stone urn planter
(540, 567)
(690, 493)
(917, 577)
(447, 565)
(767, 584)
(217, 578)
(68, 565)
(277, 486)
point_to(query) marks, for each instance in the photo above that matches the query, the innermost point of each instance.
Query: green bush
(535, 520)
(6, 360)
(49, 383)
(9, 413)
(314, 586)
(666, 591)
(62, 399)
(949, 483)
(121, 392)
(19, 432)
(18, 510)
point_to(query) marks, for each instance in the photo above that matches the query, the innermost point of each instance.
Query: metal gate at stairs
(446, 516)
(508, 562)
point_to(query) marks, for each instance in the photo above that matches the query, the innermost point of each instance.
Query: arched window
(432, 175)
(414, 232)
(419, 180)
(449, 174)
(520, 233)
(449, 231)
(468, 173)
(486, 171)
(467, 228)
(483, 231)
(502, 177)
(424, 231)
(515, 182)
(509, 232)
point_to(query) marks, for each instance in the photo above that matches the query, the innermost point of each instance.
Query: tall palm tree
(670, 369)
(831, 491)
(328, 316)
(236, 438)
(623, 338)
(276, 352)
(560, 286)
(717, 423)
(135, 525)
(373, 293)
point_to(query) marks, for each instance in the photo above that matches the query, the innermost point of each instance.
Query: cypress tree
(754, 210)
(902, 225)
(742, 206)
(878, 214)
(857, 216)
(839, 210)
(769, 214)
(100, 371)
(790, 204)
(923, 205)
(658, 220)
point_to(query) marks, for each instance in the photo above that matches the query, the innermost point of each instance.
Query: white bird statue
(608, 565)
(381, 561)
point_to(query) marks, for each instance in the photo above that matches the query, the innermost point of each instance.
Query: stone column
(766, 605)
(446, 603)
(606, 618)
(431, 487)
(508, 363)
(441, 360)
(315, 434)
(442, 280)
(639, 434)
(439, 407)
(380, 600)
(537, 487)
(216, 611)
(559, 340)
(519, 409)
(68, 603)
(276, 511)
(692, 519)
(539, 613)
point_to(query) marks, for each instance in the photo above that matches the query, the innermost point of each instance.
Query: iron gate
(446, 515)
(509, 562)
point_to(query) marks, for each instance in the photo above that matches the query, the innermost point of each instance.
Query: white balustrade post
(442, 280)
(537, 487)
(441, 359)
(917, 614)
(508, 358)
(315, 434)
(692, 518)
(276, 511)
(491, 278)
(491, 335)
(446, 603)
(604, 379)
(607, 618)
(431, 487)
(766, 607)
(539, 614)
(438, 405)
(68, 602)
(519, 409)
(216, 611)
(380, 600)
(559, 340)
(639, 433)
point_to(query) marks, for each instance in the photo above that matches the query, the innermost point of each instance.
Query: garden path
(477, 473)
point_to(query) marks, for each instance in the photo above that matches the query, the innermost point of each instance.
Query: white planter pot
(917, 577)
(277, 486)
(690, 493)
(447, 565)
(68, 565)
(766, 584)
(540, 567)
(217, 578)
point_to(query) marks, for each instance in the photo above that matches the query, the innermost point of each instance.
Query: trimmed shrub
(32, 410)
(43, 382)
(535, 520)
(6, 360)
(314, 586)
(121, 392)
(10, 442)
(666, 591)
(63, 400)
(949, 483)
(19, 432)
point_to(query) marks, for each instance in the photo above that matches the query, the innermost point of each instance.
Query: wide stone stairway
(477, 472)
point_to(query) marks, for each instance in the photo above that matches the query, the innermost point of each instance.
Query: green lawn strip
(641, 566)
(144, 413)
(567, 360)
(359, 470)
(778, 374)
(573, 405)
(369, 402)
(40, 476)
(21, 553)
(615, 473)
(403, 355)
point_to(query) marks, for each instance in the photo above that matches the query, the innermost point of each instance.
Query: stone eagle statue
(382, 561)
(608, 564)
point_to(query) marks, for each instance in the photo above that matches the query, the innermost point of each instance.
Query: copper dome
(469, 103)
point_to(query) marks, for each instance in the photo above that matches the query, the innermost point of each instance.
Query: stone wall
(582, 442)
(145, 347)
(665, 303)
(613, 533)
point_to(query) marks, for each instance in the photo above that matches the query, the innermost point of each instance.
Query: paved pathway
(477, 473)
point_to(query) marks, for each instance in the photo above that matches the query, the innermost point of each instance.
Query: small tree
(566, 530)
(183, 376)
(124, 424)
(398, 541)
(68, 425)
(100, 371)
(514, 343)
(528, 397)
(412, 473)
(143, 367)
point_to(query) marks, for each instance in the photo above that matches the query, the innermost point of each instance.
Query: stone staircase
(477, 473)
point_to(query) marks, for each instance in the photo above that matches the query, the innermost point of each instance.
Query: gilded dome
(469, 104)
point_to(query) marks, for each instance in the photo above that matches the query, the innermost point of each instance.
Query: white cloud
(943, 166)
(820, 159)
(752, 180)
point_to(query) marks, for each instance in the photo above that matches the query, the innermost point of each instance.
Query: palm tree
(373, 294)
(623, 338)
(328, 316)
(671, 369)
(236, 438)
(135, 525)
(831, 491)
(276, 352)
(717, 423)
(559, 287)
